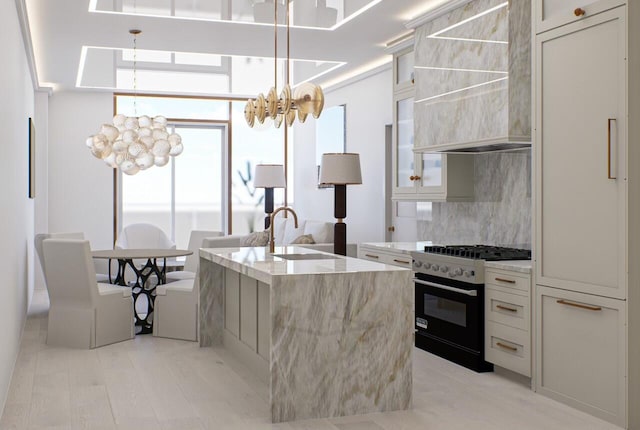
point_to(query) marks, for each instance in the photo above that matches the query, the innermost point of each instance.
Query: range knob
(456, 272)
(444, 269)
(427, 265)
(435, 267)
(468, 273)
(417, 263)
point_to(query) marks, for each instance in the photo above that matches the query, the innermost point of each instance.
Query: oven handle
(473, 293)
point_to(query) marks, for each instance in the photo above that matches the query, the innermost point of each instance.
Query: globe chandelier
(307, 98)
(132, 144)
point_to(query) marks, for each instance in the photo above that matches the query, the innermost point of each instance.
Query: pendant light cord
(135, 74)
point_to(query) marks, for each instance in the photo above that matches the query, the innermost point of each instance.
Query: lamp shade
(269, 176)
(340, 169)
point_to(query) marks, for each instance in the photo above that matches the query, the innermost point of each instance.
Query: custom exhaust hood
(473, 77)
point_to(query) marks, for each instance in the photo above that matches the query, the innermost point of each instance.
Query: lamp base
(268, 206)
(340, 238)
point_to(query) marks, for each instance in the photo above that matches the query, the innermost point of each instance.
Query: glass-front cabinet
(421, 176)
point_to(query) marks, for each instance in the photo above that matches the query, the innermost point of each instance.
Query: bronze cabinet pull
(579, 11)
(504, 308)
(509, 281)
(412, 178)
(371, 256)
(509, 347)
(609, 148)
(401, 261)
(579, 305)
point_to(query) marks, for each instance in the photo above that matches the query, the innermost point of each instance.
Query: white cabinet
(417, 176)
(581, 350)
(581, 156)
(554, 13)
(386, 256)
(508, 320)
(581, 206)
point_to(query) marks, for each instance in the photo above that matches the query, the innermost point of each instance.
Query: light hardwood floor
(152, 383)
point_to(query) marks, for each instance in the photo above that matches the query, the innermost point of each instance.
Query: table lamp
(269, 176)
(340, 170)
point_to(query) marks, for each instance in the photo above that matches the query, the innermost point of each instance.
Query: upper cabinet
(554, 13)
(421, 176)
(473, 78)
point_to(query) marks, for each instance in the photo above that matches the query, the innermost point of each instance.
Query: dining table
(143, 287)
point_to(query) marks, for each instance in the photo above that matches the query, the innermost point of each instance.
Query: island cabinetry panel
(508, 320)
(554, 13)
(582, 156)
(249, 312)
(473, 76)
(232, 302)
(581, 351)
(264, 321)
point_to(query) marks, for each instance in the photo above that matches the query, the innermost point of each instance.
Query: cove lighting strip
(85, 49)
(461, 70)
(462, 89)
(93, 7)
(437, 34)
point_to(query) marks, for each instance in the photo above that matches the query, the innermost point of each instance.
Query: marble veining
(501, 212)
(473, 81)
(327, 318)
(323, 341)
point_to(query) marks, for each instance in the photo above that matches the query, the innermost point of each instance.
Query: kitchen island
(330, 335)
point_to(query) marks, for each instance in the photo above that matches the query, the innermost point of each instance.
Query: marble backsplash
(501, 211)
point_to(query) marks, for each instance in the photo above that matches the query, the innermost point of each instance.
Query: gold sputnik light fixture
(306, 99)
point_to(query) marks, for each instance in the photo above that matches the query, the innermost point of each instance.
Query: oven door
(448, 310)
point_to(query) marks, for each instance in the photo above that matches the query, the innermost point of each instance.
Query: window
(210, 185)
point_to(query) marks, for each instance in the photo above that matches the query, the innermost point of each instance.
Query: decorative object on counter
(307, 98)
(340, 169)
(135, 143)
(269, 176)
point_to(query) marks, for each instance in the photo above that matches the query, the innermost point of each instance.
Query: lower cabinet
(581, 350)
(507, 341)
(387, 256)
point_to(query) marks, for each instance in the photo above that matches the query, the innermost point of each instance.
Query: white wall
(16, 228)
(80, 185)
(369, 109)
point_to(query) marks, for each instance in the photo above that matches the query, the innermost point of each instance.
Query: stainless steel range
(450, 300)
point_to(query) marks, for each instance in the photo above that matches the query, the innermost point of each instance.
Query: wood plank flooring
(168, 384)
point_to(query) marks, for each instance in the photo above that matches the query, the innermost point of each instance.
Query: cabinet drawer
(581, 344)
(507, 279)
(508, 309)
(508, 347)
(401, 260)
(554, 13)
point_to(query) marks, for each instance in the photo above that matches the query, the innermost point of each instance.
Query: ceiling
(79, 43)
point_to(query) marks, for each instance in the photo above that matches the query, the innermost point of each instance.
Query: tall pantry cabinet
(586, 169)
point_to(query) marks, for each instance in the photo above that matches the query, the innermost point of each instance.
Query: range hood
(478, 147)
(473, 78)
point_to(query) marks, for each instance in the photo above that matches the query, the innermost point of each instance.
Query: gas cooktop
(480, 252)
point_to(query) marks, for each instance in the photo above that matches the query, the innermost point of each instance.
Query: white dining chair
(175, 313)
(40, 237)
(83, 313)
(143, 236)
(191, 261)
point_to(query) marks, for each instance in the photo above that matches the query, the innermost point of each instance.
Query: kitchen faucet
(273, 215)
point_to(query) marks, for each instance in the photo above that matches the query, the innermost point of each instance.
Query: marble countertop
(401, 247)
(522, 266)
(258, 263)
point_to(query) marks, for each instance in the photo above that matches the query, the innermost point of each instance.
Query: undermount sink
(307, 256)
